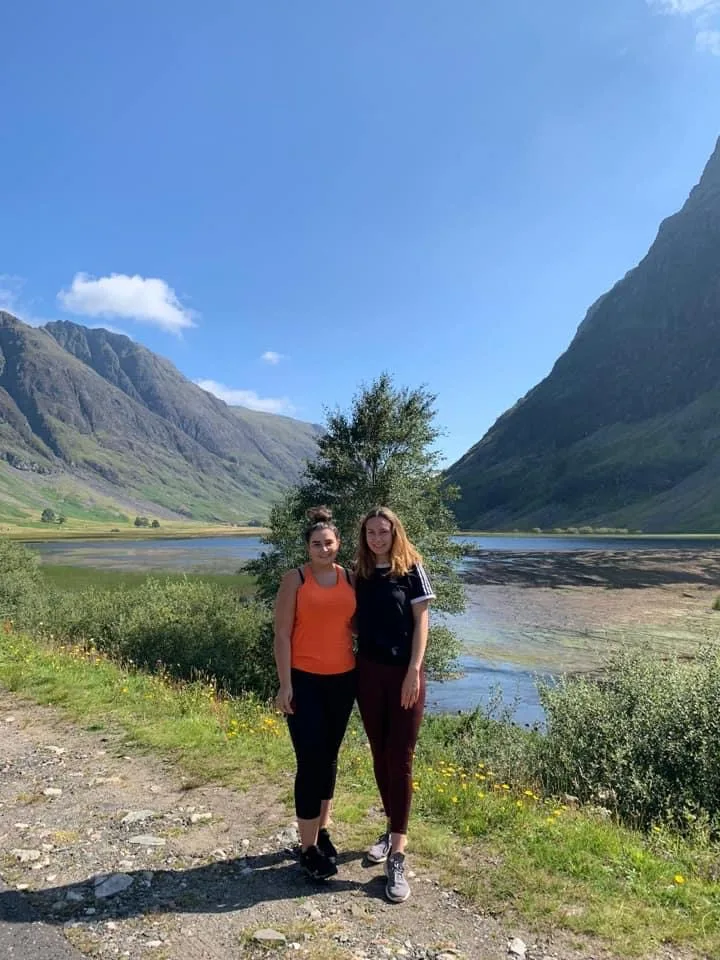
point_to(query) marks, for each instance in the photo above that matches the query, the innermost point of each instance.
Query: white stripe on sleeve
(425, 585)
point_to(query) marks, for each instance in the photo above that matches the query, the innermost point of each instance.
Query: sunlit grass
(501, 842)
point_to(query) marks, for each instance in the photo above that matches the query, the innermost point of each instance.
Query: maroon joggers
(392, 732)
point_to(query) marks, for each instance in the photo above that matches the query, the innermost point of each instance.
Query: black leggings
(322, 705)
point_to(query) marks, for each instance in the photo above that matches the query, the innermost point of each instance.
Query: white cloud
(684, 6)
(708, 41)
(704, 14)
(144, 299)
(246, 398)
(271, 357)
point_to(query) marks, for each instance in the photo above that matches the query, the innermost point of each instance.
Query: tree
(61, 519)
(142, 522)
(48, 515)
(380, 453)
(155, 524)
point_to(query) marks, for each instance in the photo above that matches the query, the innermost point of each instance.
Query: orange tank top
(321, 639)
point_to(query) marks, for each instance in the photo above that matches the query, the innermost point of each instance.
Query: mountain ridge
(97, 406)
(625, 429)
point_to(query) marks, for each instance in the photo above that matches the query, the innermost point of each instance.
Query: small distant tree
(155, 524)
(48, 515)
(142, 522)
(61, 519)
(382, 452)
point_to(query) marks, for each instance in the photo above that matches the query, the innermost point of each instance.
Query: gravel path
(118, 856)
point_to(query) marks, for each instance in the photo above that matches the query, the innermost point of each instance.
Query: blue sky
(286, 199)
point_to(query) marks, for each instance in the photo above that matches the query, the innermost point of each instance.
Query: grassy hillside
(98, 427)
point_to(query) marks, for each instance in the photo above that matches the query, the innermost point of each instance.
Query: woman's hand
(410, 689)
(283, 700)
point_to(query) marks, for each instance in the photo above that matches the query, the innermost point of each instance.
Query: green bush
(20, 579)
(188, 628)
(643, 742)
(477, 737)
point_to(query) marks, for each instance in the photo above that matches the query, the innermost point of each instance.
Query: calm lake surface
(503, 652)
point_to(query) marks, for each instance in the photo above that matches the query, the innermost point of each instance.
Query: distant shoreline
(140, 534)
(55, 534)
(588, 536)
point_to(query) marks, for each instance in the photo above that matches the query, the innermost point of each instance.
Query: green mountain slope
(625, 430)
(95, 408)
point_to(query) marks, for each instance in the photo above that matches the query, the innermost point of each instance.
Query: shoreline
(531, 535)
(176, 531)
(131, 535)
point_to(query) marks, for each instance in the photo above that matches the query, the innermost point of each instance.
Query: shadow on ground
(221, 887)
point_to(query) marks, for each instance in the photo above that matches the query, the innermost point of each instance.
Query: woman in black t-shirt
(393, 595)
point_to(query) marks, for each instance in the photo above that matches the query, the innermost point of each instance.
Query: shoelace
(397, 868)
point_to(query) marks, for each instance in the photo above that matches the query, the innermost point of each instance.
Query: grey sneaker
(396, 888)
(378, 852)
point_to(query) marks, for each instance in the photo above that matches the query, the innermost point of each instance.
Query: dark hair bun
(319, 515)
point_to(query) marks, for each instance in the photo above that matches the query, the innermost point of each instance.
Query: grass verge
(501, 843)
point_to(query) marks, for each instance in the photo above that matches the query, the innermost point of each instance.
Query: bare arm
(411, 684)
(284, 619)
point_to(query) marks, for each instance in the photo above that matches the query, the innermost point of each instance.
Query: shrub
(643, 741)
(189, 628)
(48, 515)
(20, 578)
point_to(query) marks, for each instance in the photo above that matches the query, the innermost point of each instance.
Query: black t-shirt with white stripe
(384, 615)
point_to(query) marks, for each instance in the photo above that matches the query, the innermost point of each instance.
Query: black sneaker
(316, 865)
(326, 846)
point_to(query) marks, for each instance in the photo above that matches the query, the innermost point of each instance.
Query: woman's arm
(411, 684)
(284, 619)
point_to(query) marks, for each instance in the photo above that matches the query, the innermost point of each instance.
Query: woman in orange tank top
(316, 668)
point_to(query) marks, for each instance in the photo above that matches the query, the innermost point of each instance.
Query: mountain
(625, 430)
(95, 410)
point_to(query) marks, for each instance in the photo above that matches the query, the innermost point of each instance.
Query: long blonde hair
(403, 554)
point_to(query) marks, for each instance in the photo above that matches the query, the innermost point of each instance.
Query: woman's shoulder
(345, 574)
(420, 585)
(293, 578)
